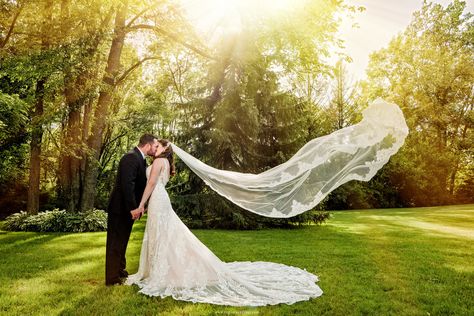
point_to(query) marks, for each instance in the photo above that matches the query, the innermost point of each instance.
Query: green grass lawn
(373, 262)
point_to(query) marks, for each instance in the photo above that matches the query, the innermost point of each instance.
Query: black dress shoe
(115, 282)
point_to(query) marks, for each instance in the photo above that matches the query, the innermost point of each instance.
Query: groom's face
(150, 148)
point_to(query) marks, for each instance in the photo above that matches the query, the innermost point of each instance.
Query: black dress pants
(119, 227)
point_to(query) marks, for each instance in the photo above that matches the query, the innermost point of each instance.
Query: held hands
(137, 213)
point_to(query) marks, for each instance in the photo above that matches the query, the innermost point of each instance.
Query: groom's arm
(129, 169)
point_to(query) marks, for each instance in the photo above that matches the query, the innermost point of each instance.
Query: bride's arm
(155, 171)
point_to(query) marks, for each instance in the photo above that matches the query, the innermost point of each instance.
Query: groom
(122, 210)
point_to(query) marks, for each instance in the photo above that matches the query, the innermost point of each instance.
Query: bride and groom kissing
(173, 262)
(124, 204)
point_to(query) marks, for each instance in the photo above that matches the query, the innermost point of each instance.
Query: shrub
(212, 211)
(94, 221)
(14, 221)
(57, 221)
(310, 218)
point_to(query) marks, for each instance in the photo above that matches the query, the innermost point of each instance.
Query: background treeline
(80, 81)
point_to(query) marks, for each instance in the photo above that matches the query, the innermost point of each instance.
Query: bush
(14, 221)
(212, 211)
(312, 217)
(57, 221)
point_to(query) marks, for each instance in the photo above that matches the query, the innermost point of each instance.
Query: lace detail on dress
(173, 262)
(164, 176)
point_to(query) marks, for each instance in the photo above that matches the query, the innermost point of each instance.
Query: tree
(94, 140)
(80, 82)
(344, 107)
(37, 118)
(251, 119)
(428, 71)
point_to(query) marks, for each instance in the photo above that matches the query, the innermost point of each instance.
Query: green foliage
(209, 210)
(13, 123)
(13, 152)
(250, 124)
(13, 116)
(15, 221)
(311, 217)
(465, 190)
(57, 221)
(428, 71)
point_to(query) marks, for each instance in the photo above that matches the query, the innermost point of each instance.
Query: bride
(173, 262)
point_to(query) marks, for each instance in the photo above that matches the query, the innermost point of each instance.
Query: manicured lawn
(372, 262)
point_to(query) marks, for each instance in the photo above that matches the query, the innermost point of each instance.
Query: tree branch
(190, 28)
(132, 68)
(10, 30)
(171, 36)
(129, 24)
(107, 18)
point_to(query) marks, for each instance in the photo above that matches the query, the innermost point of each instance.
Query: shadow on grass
(365, 266)
(125, 300)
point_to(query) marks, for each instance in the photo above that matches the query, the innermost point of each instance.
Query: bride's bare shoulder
(160, 162)
(163, 160)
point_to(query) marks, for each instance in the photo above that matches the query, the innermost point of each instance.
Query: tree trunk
(69, 175)
(4, 41)
(102, 109)
(32, 205)
(65, 193)
(78, 94)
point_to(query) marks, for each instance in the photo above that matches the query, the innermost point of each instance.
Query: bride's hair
(168, 154)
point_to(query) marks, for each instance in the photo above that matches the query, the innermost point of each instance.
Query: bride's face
(159, 149)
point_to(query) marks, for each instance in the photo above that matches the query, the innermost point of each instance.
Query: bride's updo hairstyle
(168, 154)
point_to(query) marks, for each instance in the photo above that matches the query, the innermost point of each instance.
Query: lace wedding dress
(173, 262)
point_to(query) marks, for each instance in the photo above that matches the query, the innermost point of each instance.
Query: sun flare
(219, 18)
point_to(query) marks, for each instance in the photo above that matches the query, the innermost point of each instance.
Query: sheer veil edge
(355, 152)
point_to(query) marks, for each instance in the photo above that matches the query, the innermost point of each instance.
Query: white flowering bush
(57, 221)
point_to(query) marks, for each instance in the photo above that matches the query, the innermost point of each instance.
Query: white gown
(173, 262)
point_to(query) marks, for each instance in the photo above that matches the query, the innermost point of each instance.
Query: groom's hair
(146, 139)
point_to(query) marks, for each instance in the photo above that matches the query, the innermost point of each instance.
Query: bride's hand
(136, 213)
(141, 208)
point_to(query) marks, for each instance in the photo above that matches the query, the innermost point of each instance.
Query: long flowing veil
(356, 152)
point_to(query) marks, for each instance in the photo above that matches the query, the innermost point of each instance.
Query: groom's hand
(136, 213)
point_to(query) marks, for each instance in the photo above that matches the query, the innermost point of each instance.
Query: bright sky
(378, 24)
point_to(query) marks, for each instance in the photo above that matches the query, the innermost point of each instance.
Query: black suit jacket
(129, 184)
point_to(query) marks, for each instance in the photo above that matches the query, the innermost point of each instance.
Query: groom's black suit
(126, 195)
